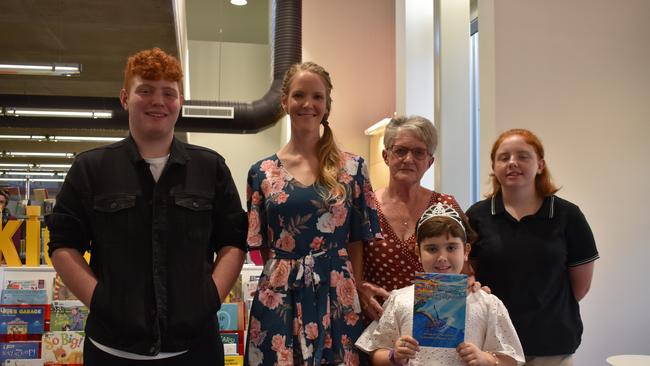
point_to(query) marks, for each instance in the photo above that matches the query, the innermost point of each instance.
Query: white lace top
(488, 326)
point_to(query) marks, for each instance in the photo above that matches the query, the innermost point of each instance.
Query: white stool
(629, 360)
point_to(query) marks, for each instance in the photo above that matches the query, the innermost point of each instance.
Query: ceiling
(100, 35)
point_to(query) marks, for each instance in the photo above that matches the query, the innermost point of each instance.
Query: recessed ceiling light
(239, 2)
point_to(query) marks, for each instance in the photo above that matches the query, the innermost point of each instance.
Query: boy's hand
(405, 348)
(473, 356)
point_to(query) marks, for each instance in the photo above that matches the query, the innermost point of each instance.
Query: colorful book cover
(439, 309)
(235, 294)
(18, 350)
(25, 284)
(249, 286)
(63, 348)
(16, 320)
(231, 316)
(12, 296)
(60, 291)
(233, 360)
(68, 315)
(233, 342)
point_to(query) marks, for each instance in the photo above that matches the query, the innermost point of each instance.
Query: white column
(454, 124)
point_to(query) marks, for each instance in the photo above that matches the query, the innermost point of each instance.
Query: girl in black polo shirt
(535, 250)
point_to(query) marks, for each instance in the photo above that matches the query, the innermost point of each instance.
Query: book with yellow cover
(233, 360)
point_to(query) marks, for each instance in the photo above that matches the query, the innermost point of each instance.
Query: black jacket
(152, 244)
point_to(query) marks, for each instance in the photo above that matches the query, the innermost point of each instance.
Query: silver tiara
(440, 209)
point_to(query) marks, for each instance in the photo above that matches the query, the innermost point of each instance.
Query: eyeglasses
(401, 152)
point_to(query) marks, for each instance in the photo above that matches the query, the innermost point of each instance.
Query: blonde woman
(311, 208)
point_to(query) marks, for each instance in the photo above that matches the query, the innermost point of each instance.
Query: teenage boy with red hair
(153, 211)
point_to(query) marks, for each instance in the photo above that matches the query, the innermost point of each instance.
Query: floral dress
(306, 309)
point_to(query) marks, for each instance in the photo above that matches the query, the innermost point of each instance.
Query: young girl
(490, 338)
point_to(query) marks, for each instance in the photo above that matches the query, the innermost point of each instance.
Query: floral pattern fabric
(306, 309)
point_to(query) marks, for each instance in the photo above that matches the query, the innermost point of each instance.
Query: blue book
(12, 296)
(439, 309)
(18, 350)
(22, 319)
(231, 316)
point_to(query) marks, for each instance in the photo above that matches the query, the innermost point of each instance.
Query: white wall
(577, 74)
(233, 72)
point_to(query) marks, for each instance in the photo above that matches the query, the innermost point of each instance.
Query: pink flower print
(326, 320)
(351, 165)
(268, 164)
(346, 292)
(343, 252)
(328, 341)
(281, 197)
(277, 184)
(371, 199)
(280, 275)
(345, 341)
(339, 214)
(325, 223)
(311, 331)
(351, 318)
(255, 331)
(286, 241)
(254, 238)
(345, 178)
(317, 243)
(277, 342)
(285, 357)
(351, 358)
(335, 277)
(256, 198)
(266, 187)
(270, 298)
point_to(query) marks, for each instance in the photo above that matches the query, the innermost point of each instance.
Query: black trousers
(207, 350)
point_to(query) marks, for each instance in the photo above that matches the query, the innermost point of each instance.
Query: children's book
(60, 291)
(233, 360)
(12, 296)
(24, 362)
(18, 350)
(38, 284)
(231, 316)
(439, 309)
(68, 315)
(63, 348)
(233, 342)
(235, 294)
(17, 320)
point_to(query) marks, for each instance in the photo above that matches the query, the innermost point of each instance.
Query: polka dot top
(391, 263)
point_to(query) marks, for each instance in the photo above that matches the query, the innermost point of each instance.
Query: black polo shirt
(526, 262)
(152, 243)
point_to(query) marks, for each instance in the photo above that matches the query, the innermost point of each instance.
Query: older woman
(391, 264)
